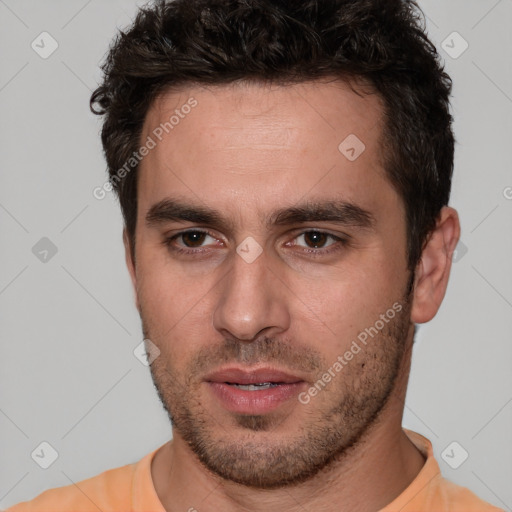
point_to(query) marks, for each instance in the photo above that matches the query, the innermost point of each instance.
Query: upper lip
(256, 376)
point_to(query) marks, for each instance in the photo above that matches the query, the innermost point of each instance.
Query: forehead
(238, 109)
(262, 142)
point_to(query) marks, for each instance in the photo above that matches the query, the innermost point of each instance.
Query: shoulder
(107, 491)
(460, 499)
(431, 491)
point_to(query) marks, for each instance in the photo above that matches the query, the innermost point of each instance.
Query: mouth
(254, 387)
(253, 391)
(257, 378)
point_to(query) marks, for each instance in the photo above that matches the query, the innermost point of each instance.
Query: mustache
(262, 350)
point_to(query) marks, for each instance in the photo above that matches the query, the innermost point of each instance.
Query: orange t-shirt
(130, 489)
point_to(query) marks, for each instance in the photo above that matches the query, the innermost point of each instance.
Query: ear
(433, 269)
(130, 264)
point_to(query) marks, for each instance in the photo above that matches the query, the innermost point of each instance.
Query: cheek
(171, 306)
(336, 311)
(174, 305)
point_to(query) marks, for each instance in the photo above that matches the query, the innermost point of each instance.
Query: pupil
(193, 238)
(315, 238)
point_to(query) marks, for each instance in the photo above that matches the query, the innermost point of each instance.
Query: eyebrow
(337, 211)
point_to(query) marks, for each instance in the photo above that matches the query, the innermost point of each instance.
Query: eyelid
(326, 233)
(204, 231)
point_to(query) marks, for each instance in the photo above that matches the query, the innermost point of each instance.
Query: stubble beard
(256, 450)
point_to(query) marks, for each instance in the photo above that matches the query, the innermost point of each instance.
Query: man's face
(305, 252)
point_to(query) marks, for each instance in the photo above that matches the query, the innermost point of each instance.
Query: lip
(235, 375)
(260, 401)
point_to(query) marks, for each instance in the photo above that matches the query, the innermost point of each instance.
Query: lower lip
(254, 402)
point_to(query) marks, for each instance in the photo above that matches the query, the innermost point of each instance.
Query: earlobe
(130, 264)
(433, 269)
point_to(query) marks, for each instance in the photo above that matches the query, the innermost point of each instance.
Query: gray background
(69, 326)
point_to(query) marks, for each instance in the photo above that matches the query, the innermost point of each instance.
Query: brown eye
(194, 242)
(193, 238)
(315, 239)
(316, 243)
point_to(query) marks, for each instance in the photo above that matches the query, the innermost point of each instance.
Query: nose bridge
(250, 299)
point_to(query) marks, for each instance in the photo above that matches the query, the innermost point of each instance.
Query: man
(284, 172)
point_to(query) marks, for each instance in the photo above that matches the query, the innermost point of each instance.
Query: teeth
(254, 387)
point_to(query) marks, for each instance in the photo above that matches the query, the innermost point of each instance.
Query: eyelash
(339, 244)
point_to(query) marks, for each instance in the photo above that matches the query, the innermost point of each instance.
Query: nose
(252, 301)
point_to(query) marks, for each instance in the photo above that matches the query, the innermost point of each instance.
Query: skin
(247, 150)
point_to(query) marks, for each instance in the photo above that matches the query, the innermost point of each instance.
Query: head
(283, 169)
